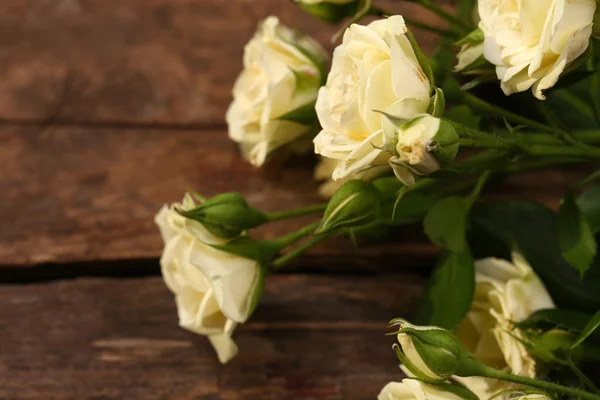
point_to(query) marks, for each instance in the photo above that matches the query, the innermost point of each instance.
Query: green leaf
(555, 318)
(445, 143)
(572, 78)
(355, 204)
(306, 114)
(329, 12)
(259, 288)
(573, 105)
(412, 207)
(446, 223)
(591, 326)
(421, 58)
(575, 236)
(531, 228)
(437, 104)
(589, 203)
(478, 81)
(261, 251)
(450, 291)
(474, 37)
(226, 215)
(463, 115)
(457, 389)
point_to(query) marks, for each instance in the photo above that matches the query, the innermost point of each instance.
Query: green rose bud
(226, 215)
(432, 354)
(355, 204)
(331, 11)
(421, 144)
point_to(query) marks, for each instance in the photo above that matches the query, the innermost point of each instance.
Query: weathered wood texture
(312, 337)
(136, 61)
(81, 194)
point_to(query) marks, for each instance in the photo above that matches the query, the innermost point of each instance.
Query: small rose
(531, 42)
(274, 95)
(505, 293)
(214, 290)
(430, 353)
(375, 70)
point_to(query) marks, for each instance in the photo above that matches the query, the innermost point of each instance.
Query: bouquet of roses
(512, 305)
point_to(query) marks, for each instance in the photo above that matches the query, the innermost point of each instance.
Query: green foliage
(532, 229)
(438, 103)
(590, 328)
(330, 12)
(474, 37)
(306, 114)
(464, 115)
(450, 291)
(556, 318)
(589, 203)
(355, 204)
(446, 223)
(261, 251)
(421, 58)
(575, 236)
(226, 215)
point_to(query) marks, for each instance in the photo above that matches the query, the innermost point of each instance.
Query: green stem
(581, 376)
(564, 151)
(276, 216)
(549, 386)
(284, 259)
(481, 181)
(530, 165)
(486, 144)
(431, 6)
(365, 8)
(588, 180)
(586, 136)
(482, 105)
(293, 237)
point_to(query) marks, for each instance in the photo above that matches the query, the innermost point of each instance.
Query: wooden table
(111, 108)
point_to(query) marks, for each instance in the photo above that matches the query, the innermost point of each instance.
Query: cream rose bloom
(281, 74)
(412, 389)
(532, 41)
(505, 292)
(213, 289)
(374, 70)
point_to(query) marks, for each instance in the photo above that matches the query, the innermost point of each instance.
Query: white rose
(374, 69)
(213, 289)
(412, 389)
(532, 41)
(505, 292)
(281, 74)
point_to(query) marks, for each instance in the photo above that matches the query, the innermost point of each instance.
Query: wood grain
(313, 337)
(136, 61)
(83, 194)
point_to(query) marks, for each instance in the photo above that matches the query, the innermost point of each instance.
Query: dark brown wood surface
(312, 337)
(111, 108)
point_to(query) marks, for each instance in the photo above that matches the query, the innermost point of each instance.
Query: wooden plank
(317, 337)
(137, 61)
(81, 194)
